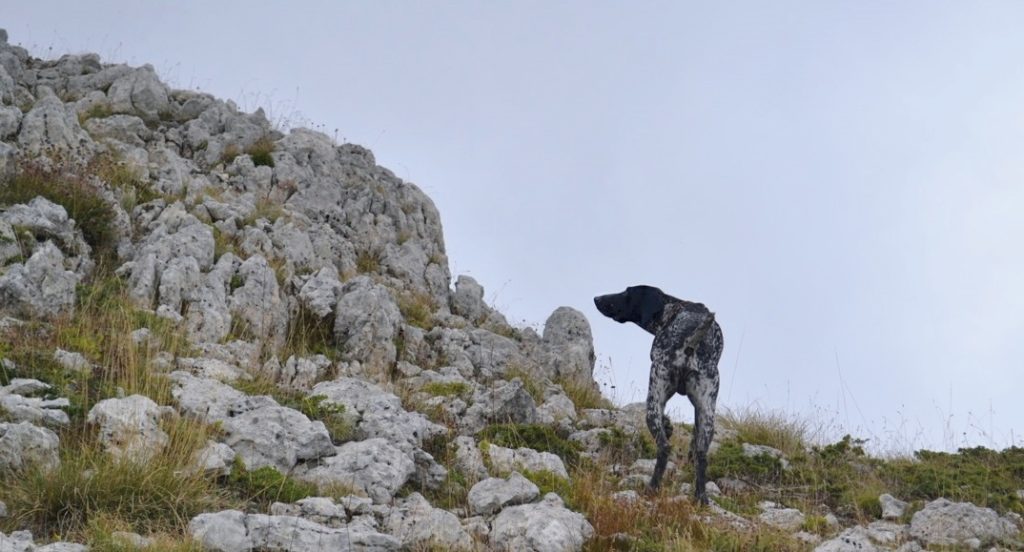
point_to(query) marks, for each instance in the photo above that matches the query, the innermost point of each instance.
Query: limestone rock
(276, 436)
(892, 507)
(139, 92)
(508, 402)
(543, 527)
(367, 323)
(570, 345)
(418, 525)
(234, 531)
(946, 523)
(41, 287)
(258, 303)
(468, 459)
(374, 466)
(214, 458)
(49, 126)
(300, 373)
(491, 495)
(377, 413)
(786, 519)
(505, 460)
(17, 407)
(129, 428)
(468, 299)
(854, 539)
(320, 294)
(23, 445)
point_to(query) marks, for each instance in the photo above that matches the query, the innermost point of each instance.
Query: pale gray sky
(842, 182)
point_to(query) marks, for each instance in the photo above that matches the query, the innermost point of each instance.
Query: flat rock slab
(234, 531)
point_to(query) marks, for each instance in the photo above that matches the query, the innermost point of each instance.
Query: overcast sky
(841, 182)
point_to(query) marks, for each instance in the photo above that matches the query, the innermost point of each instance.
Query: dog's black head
(641, 305)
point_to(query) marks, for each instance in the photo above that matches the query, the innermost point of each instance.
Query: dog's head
(640, 305)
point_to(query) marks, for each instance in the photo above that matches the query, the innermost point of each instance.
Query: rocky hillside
(217, 335)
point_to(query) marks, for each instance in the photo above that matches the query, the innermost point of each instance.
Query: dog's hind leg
(659, 391)
(703, 393)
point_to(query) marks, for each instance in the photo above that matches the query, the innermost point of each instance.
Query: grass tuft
(265, 485)
(417, 308)
(261, 152)
(367, 262)
(161, 495)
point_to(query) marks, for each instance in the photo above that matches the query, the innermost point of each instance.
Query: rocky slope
(266, 318)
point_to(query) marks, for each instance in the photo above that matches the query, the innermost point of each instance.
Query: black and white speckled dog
(684, 360)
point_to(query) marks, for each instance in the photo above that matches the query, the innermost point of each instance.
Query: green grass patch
(982, 476)
(549, 482)
(535, 436)
(100, 329)
(265, 485)
(626, 448)
(446, 389)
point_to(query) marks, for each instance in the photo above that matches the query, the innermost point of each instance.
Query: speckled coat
(684, 359)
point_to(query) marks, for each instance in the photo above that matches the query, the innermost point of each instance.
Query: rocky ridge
(295, 298)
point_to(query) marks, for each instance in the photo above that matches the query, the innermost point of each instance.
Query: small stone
(74, 362)
(892, 507)
(626, 497)
(133, 540)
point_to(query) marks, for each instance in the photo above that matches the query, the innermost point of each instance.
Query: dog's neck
(671, 310)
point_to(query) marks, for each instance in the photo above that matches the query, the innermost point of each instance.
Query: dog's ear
(650, 304)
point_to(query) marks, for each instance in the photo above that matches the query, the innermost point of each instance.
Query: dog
(684, 359)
